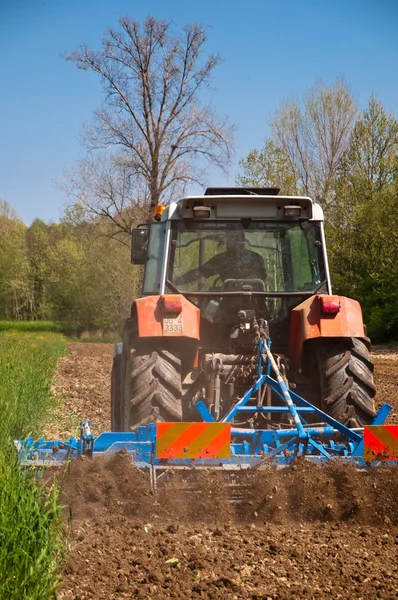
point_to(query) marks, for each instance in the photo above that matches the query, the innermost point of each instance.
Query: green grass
(33, 326)
(31, 545)
(50, 326)
(27, 364)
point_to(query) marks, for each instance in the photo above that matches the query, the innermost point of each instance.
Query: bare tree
(314, 133)
(101, 187)
(151, 121)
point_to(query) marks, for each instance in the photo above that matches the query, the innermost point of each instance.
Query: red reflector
(330, 305)
(172, 304)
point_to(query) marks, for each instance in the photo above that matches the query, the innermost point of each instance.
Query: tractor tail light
(330, 305)
(172, 304)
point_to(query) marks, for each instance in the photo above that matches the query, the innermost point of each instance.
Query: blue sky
(271, 50)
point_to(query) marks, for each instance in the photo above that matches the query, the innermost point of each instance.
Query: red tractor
(222, 271)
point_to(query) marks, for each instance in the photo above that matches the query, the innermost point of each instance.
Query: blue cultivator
(163, 446)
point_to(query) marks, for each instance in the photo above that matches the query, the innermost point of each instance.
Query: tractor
(224, 273)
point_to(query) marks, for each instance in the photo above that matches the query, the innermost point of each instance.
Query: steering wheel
(255, 283)
(217, 283)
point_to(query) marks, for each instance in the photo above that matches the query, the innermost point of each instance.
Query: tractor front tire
(346, 381)
(152, 384)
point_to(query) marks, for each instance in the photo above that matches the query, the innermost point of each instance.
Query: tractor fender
(166, 316)
(310, 321)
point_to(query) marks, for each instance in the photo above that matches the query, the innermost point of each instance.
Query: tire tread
(346, 372)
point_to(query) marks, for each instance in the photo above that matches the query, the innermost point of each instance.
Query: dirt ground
(301, 532)
(82, 386)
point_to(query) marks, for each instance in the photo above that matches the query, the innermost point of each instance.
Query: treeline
(362, 228)
(72, 273)
(347, 160)
(152, 136)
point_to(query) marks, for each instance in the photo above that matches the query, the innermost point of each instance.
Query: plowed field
(302, 532)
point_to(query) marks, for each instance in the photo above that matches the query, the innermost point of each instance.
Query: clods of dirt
(82, 389)
(303, 492)
(115, 559)
(304, 532)
(301, 532)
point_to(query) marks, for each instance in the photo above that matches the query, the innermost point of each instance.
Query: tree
(90, 284)
(309, 138)
(40, 236)
(269, 166)
(371, 161)
(362, 224)
(103, 189)
(14, 267)
(314, 133)
(155, 132)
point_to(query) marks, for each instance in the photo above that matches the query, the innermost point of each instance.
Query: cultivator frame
(249, 448)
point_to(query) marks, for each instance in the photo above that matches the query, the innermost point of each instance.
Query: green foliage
(35, 326)
(371, 161)
(269, 166)
(14, 266)
(27, 363)
(31, 545)
(362, 224)
(91, 282)
(72, 273)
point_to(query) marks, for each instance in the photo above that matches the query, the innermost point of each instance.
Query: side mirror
(139, 246)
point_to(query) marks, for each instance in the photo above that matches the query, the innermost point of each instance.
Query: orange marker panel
(381, 442)
(193, 440)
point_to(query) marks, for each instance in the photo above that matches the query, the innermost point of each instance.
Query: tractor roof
(246, 191)
(244, 203)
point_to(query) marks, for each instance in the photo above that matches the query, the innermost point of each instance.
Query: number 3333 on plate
(172, 324)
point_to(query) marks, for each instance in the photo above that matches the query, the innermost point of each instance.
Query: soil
(386, 378)
(82, 387)
(303, 532)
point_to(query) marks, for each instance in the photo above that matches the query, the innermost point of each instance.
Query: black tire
(152, 384)
(346, 381)
(116, 390)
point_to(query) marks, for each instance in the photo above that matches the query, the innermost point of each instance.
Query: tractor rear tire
(152, 385)
(346, 381)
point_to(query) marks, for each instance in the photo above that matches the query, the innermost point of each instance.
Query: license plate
(172, 324)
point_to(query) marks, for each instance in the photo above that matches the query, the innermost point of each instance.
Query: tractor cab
(235, 251)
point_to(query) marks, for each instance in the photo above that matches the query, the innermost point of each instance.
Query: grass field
(30, 540)
(50, 326)
(31, 326)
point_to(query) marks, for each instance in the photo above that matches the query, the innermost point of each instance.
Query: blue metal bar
(286, 394)
(319, 447)
(229, 417)
(279, 449)
(260, 359)
(105, 440)
(355, 437)
(273, 409)
(273, 434)
(382, 414)
(204, 412)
